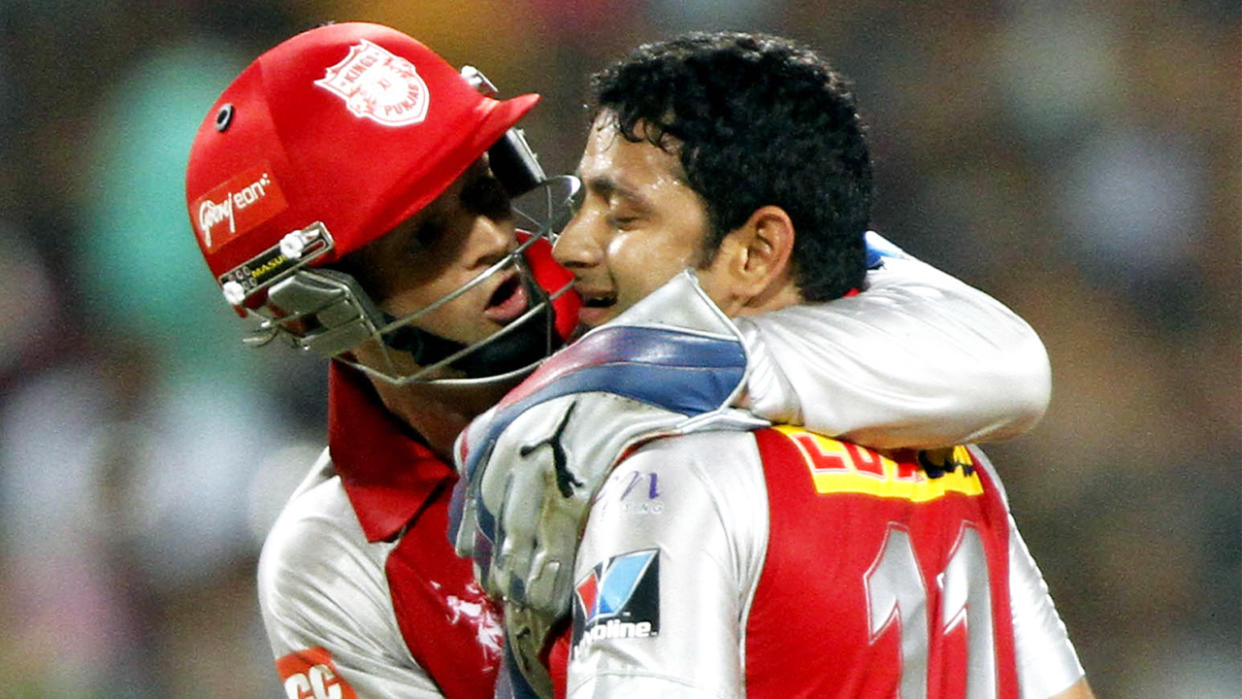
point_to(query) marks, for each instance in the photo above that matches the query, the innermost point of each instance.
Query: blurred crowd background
(1079, 161)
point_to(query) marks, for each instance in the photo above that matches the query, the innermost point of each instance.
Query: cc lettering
(318, 682)
(311, 674)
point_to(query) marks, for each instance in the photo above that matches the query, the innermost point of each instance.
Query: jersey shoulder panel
(1046, 659)
(326, 602)
(316, 550)
(675, 488)
(450, 626)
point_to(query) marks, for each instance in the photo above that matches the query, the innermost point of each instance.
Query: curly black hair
(755, 120)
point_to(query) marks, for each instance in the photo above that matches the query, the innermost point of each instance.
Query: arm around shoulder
(920, 359)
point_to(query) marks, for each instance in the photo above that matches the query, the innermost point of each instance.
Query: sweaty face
(452, 241)
(639, 224)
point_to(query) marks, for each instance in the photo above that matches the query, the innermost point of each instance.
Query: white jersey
(779, 563)
(807, 363)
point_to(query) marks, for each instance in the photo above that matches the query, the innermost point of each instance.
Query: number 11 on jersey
(897, 593)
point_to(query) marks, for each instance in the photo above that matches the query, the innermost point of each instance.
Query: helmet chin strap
(425, 347)
(521, 347)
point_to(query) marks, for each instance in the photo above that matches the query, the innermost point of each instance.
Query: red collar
(388, 473)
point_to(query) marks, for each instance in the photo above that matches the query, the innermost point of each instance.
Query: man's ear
(756, 258)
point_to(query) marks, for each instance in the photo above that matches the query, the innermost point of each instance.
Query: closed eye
(485, 196)
(622, 222)
(426, 235)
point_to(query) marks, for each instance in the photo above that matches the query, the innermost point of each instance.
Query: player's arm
(668, 555)
(656, 353)
(1048, 665)
(918, 359)
(328, 618)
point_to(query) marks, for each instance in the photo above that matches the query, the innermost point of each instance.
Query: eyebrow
(608, 187)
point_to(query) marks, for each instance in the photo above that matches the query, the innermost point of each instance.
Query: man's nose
(490, 241)
(578, 244)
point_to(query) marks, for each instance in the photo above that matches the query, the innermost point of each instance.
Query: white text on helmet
(211, 214)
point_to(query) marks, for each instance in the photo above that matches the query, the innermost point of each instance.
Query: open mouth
(598, 301)
(596, 308)
(508, 301)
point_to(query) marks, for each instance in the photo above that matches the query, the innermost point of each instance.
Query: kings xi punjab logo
(378, 84)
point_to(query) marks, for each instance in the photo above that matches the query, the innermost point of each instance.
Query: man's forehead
(443, 205)
(450, 198)
(612, 162)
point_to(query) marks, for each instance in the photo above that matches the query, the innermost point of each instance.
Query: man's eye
(577, 200)
(486, 196)
(622, 222)
(427, 234)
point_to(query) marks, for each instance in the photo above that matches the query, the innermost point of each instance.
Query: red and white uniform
(361, 591)
(779, 563)
(362, 595)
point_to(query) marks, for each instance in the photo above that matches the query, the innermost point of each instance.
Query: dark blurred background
(1079, 161)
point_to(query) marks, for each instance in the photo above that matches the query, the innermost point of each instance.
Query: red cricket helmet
(354, 125)
(323, 144)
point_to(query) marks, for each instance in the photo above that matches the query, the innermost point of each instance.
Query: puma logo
(565, 480)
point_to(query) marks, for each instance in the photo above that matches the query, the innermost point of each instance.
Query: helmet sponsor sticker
(618, 599)
(311, 674)
(379, 85)
(237, 205)
(295, 249)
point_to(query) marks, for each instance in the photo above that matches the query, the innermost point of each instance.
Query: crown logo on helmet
(379, 85)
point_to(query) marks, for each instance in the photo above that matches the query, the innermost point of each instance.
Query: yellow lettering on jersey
(841, 467)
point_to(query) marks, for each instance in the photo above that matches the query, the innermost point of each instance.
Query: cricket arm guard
(919, 359)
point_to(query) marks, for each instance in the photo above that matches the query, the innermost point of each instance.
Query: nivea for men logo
(619, 598)
(378, 84)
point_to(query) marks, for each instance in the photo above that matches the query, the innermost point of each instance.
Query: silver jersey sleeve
(1047, 661)
(700, 500)
(323, 585)
(919, 359)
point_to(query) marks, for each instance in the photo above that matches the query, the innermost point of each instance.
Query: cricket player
(352, 194)
(723, 558)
